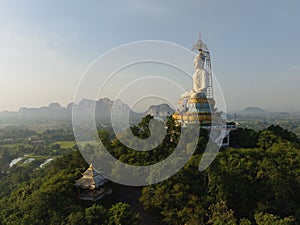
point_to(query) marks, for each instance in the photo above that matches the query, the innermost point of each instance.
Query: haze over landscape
(120, 113)
(45, 47)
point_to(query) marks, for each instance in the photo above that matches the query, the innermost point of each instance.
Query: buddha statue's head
(199, 61)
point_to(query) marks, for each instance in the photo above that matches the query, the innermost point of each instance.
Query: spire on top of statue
(200, 46)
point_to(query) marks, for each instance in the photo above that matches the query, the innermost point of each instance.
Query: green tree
(279, 183)
(267, 139)
(284, 134)
(270, 219)
(243, 138)
(244, 221)
(122, 214)
(76, 218)
(96, 214)
(219, 214)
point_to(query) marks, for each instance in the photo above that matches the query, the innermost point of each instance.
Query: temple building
(198, 105)
(92, 186)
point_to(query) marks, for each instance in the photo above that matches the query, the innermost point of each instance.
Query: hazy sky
(45, 46)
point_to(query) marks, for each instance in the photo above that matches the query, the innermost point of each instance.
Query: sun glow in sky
(45, 46)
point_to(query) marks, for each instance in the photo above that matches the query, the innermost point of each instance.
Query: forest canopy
(254, 181)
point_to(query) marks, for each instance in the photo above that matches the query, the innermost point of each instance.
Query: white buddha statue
(200, 78)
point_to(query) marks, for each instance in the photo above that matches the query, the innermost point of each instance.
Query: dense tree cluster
(255, 181)
(48, 196)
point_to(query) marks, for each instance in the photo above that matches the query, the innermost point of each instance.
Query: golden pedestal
(195, 110)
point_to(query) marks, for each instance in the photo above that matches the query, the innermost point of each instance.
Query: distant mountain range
(102, 107)
(54, 112)
(257, 112)
(253, 110)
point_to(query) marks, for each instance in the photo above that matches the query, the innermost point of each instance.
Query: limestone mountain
(102, 108)
(161, 110)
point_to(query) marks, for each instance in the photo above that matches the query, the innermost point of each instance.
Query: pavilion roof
(91, 179)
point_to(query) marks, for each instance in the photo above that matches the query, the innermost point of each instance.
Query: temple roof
(91, 179)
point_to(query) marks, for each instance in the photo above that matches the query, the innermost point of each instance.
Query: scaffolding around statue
(198, 105)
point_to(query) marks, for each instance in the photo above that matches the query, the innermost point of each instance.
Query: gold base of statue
(195, 110)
